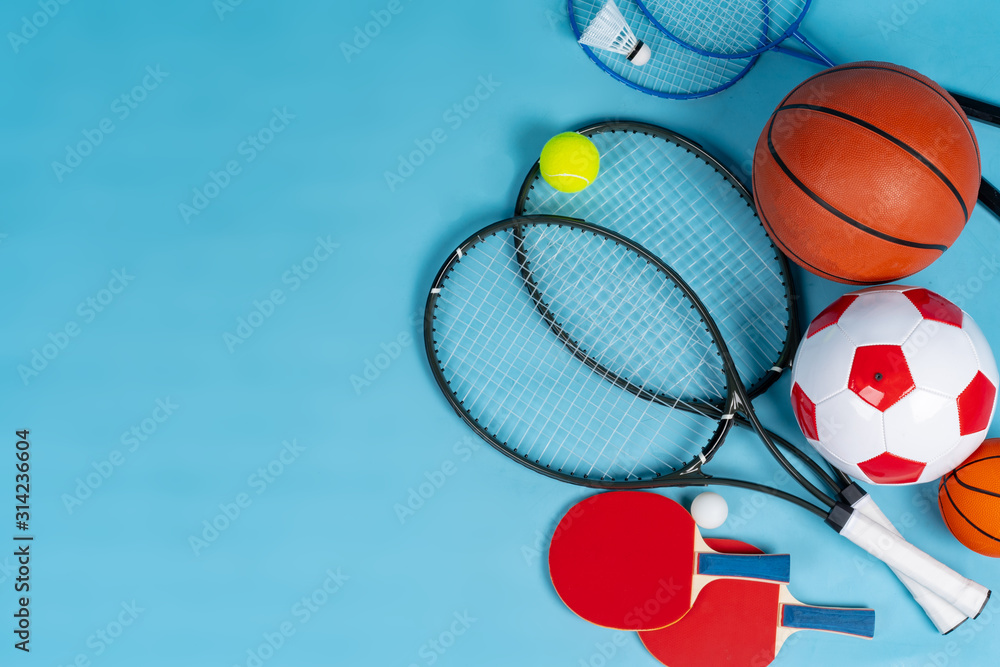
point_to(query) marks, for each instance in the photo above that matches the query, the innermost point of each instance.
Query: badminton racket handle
(964, 594)
(801, 55)
(857, 622)
(823, 59)
(943, 615)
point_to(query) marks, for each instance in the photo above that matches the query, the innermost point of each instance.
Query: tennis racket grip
(964, 594)
(944, 616)
(764, 567)
(981, 111)
(857, 622)
(989, 196)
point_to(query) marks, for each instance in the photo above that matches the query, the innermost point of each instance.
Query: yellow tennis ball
(570, 162)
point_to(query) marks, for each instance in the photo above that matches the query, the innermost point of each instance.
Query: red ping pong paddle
(634, 560)
(742, 623)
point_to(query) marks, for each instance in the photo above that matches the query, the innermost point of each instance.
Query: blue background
(475, 546)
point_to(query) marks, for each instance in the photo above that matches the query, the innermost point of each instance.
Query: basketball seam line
(969, 463)
(885, 135)
(974, 488)
(774, 237)
(782, 247)
(877, 66)
(843, 216)
(944, 516)
(950, 101)
(967, 519)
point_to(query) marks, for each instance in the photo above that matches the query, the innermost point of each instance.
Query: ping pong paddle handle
(964, 594)
(857, 622)
(765, 567)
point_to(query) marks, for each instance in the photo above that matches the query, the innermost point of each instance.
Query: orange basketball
(969, 498)
(866, 173)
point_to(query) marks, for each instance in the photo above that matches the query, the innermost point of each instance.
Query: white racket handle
(943, 615)
(966, 595)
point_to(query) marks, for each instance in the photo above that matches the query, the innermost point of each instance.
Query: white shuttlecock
(608, 31)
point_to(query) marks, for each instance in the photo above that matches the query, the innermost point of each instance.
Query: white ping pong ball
(709, 510)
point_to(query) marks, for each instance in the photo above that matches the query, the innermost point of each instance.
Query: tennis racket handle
(944, 616)
(857, 622)
(966, 595)
(982, 111)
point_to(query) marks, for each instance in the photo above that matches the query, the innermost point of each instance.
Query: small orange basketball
(866, 173)
(969, 498)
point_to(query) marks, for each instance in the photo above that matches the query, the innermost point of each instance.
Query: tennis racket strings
(672, 198)
(552, 340)
(519, 376)
(644, 189)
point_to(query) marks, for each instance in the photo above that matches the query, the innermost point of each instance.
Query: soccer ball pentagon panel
(894, 385)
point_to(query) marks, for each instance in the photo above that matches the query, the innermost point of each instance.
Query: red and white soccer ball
(894, 385)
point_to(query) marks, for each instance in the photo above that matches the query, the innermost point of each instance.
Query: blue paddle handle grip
(769, 567)
(858, 622)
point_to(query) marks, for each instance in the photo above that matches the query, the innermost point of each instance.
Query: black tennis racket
(667, 193)
(521, 379)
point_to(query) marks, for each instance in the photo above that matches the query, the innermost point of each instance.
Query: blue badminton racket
(672, 72)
